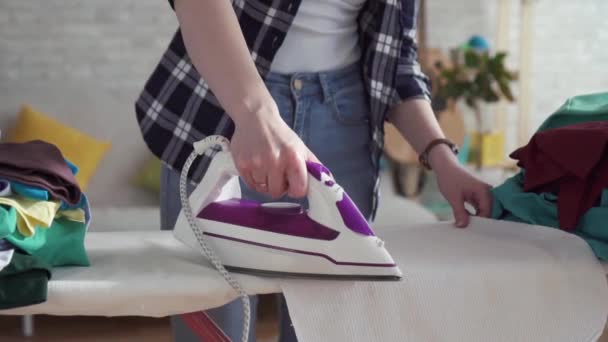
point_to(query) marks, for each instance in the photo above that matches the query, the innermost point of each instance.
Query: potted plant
(476, 78)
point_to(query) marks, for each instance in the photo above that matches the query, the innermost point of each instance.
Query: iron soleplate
(295, 275)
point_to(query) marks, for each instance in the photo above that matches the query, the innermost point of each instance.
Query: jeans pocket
(350, 104)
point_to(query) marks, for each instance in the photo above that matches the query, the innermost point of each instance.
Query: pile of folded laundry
(564, 178)
(43, 220)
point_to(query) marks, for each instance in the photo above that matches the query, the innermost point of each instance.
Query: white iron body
(349, 253)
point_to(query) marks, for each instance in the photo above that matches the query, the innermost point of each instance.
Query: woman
(290, 81)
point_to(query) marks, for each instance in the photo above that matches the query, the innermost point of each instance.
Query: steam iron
(331, 239)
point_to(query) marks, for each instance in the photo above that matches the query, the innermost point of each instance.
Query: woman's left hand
(459, 186)
(416, 121)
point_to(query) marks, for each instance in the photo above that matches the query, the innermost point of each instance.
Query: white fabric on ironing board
(495, 281)
(152, 274)
(139, 274)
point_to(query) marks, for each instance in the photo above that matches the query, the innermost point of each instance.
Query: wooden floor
(127, 329)
(67, 329)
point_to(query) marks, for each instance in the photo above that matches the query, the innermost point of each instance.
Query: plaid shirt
(177, 108)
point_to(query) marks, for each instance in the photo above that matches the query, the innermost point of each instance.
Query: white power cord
(200, 147)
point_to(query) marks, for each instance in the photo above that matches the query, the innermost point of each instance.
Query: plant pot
(487, 148)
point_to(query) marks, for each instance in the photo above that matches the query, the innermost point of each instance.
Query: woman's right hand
(269, 156)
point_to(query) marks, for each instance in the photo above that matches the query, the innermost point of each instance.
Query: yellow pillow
(79, 148)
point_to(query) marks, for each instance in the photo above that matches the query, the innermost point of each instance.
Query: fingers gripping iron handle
(321, 188)
(200, 148)
(223, 169)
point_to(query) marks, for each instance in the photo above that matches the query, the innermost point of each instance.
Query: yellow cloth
(31, 213)
(76, 215)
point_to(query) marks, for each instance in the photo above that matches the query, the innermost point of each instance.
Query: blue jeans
(330, 113)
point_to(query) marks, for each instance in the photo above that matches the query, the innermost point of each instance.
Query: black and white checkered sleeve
(410, 81)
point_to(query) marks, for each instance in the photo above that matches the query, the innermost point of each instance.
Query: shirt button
(297, 84)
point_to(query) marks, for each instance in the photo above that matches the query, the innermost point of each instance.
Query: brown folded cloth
(40, 164)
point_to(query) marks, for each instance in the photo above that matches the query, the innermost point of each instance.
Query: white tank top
(323, 36)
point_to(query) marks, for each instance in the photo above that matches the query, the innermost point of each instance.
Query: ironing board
(141, 273)
(148, 274)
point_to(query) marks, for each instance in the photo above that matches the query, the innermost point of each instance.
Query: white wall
(113, 44)
(570, 46)
(62, 49)
(570, 52)
(84, 62)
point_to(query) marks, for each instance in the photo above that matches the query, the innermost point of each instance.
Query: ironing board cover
(139, 274)
(152, 274)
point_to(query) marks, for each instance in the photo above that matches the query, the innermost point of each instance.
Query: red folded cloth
(571, 161)
(40, 164)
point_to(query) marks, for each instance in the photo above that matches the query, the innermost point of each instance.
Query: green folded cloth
(8, 220)
(24, 281)
(583, 108)
(62, 244)
(512, 203)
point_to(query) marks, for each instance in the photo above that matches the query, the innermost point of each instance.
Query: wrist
(258, 105)
(439, 153)
(442, 157)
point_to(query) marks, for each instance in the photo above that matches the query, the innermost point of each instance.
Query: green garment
(24, 281)
(65, 244)
(511, 203)
(583, 108)
(8, 220)
(62, 244)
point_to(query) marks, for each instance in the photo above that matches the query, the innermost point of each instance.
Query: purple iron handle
(316, 169)
(350, 214)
